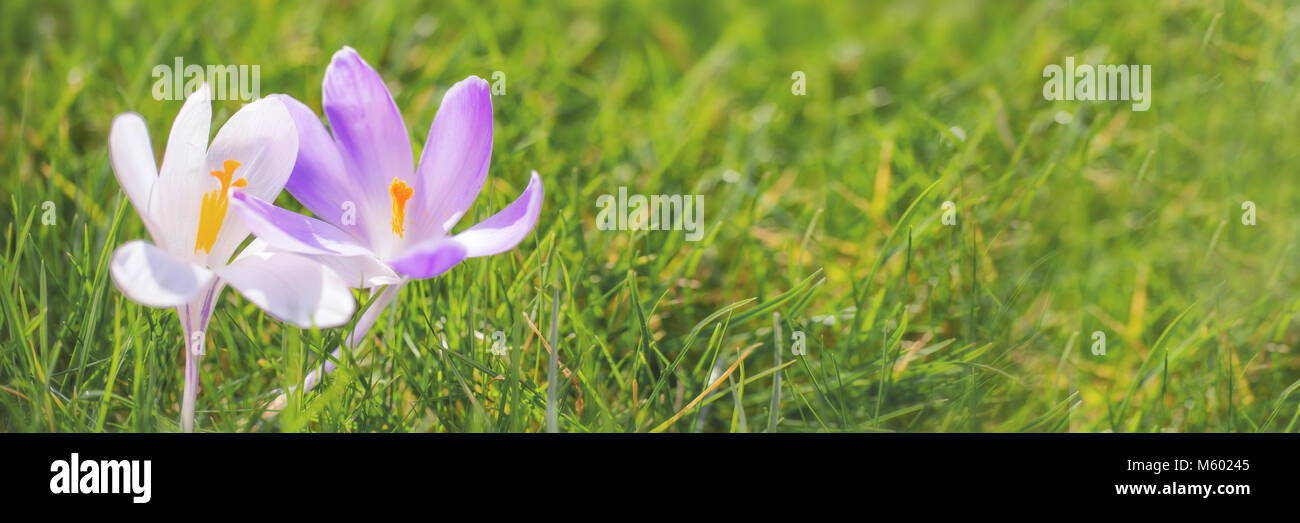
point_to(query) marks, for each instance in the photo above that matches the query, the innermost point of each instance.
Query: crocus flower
(385, 221)
(185, 209)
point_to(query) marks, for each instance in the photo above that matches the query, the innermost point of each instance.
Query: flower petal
(293, 232)
(320, 179)
(362, 271)
(429, 258)
(292, 288)
(150, 276)
(131, 154)
(174, 202)
(187, 144)
(455, 159)
(262, 138)
(505, 229)
(371, 136)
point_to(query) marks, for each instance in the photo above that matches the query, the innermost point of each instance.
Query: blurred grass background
(824, 209)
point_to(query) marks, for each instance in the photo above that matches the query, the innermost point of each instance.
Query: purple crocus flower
(385, 221)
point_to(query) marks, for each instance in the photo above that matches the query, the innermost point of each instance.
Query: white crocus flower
(185, 209)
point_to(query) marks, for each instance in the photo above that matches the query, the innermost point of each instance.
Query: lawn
(823, 140)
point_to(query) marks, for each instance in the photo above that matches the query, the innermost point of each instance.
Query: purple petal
(455, 159)
(429, 258)
(505, 229)
(321, 181)
(293, 232)
(370, 133)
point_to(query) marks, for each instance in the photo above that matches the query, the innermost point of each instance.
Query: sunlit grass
(1122, 222)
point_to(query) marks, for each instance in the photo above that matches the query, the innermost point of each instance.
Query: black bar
(980, 471)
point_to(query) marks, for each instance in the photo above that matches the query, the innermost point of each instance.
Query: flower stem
(386, 297)
(191, 387)
(358, 335)
(194, 318)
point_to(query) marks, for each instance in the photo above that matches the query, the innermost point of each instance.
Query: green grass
(1119, 221)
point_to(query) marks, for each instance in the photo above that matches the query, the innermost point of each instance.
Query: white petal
(262, 138)
(174, 204)
(131, 154)
(150, 276)
(256, 246)
(176, 197)
(362, 271)
(188, 142)
(359, 271)
(290, 287)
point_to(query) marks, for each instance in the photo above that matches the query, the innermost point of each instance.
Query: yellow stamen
(400, 193)
(212, 212)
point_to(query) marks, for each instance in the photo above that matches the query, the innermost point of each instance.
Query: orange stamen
(212, 212)
(400, 193)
